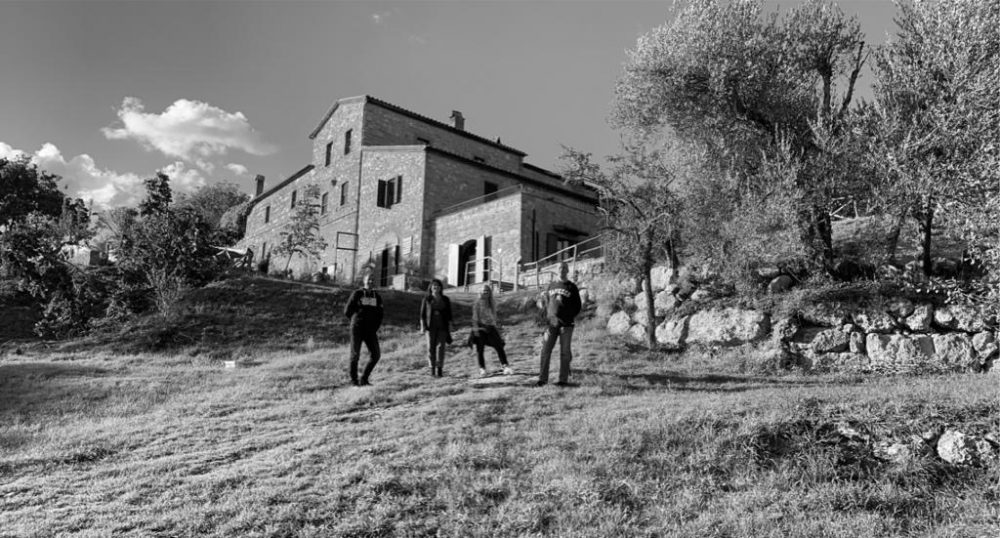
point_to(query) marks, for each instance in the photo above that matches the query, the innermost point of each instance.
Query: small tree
(301, 235)
(640, 213)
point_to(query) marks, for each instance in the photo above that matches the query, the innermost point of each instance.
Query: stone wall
(497, 219)
(879, 335)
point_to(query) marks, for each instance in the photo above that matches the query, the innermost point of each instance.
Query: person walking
(486, 330)
(562, 305)
(364, 309)
(435, 321)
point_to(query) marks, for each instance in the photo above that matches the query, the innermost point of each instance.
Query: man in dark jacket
(364, 309)
(562, 304)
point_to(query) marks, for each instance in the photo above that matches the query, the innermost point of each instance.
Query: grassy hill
(145, 433)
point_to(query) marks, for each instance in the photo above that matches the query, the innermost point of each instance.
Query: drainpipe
(357, 216)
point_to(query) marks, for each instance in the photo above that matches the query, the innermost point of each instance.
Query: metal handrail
(571, 254)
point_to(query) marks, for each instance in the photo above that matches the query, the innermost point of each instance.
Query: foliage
(301, 235)
(742, 87)
(934, 127)
(211, 203)
(25, 189)
(640, 211)
(39, 223)
(158, 195)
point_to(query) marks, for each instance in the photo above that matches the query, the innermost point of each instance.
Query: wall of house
(543, 210)
(402, 223)
(498, 219)
(388, 127)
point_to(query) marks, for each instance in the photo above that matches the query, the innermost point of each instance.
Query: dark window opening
(347, 142)
(489, 191)
(322, 204)
(343, 193)
(389, 192)
(267, 214)
(329, 153)
(294, 196)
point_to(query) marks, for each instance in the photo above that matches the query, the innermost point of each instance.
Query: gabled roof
(290, 179)
(419, 117)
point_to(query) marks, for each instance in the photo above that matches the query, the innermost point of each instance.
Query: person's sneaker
(482, 372)
(507, 370)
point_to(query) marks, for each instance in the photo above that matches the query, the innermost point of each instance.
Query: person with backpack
(486, 330)
(435, 322)
(562, 305)
(364, 310)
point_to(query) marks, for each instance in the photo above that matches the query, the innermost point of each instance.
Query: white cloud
(237, 169)
(189, 130)
(82, 178)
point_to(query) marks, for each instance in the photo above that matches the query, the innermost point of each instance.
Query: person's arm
(423, 316)
(475, 315)
(575, 304)
(352, 305)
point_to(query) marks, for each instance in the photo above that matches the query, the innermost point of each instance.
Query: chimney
(459, 121)
(260, 185)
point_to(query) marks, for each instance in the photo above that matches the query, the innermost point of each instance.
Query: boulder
(637, 332)
(959, 317)
(831, 341)
(899, 351)
(619, 323)
(780, 284)
(665, 302)
(660, 276)
(899, 453)
(640, 316)
(985, 344)
(920, 320)
(955, 349)
(785, 329)
(673, 332)
(857, 343)
(639, 300)
(701, 294)
(839, 362)
(874, 320)
(825, 314)
(901, 307)
(956, 448)
(727, 326)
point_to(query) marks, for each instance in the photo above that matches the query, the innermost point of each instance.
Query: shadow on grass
(686, 382)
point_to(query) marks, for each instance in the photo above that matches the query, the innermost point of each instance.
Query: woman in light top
(486, 329)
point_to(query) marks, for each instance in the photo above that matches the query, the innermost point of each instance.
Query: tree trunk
(647, 269)
(926, 222)
(892, 239)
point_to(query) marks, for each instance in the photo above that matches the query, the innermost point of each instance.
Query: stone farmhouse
(403, 194)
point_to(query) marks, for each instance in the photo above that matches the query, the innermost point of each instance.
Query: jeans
(361, 334)
(565, 336)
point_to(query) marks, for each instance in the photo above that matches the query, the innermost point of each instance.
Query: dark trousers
(437, 341)
(370, 338)
(565, 336)
(489, 336)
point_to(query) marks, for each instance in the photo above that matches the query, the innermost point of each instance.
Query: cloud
(237, 169)
(380, 17)
(82, 178)
(190, 130)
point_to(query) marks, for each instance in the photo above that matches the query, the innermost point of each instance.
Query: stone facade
(456, 197)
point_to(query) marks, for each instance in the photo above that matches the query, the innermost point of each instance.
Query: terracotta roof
(414, 115)
(290, 179)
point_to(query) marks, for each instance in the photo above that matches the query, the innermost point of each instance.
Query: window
(555, 243)
(489, 191)
(294, 196)
(329, 153)
(322, 203)
(390, 192)
(267, 214)
(347, 142)
(343, 193)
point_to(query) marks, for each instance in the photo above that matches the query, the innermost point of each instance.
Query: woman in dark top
(435, 321)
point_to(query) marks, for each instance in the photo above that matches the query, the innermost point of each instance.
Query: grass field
(144, 433)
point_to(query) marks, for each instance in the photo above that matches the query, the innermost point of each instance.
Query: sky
(106, 93)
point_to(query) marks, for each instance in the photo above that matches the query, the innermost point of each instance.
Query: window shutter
(381, 194)
(390, 195)
(396, 268)
(399, 189)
